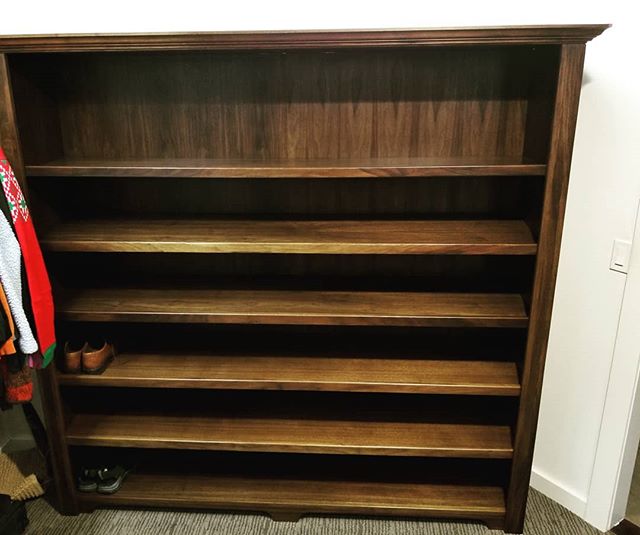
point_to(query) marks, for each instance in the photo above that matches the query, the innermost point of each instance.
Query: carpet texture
(544, 517)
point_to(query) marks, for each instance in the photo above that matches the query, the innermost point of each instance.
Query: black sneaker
(88, 480)
(110, 479)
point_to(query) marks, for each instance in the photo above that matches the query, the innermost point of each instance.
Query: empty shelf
(261, 430)
(293, 307)
(317, 237)
(326, 168)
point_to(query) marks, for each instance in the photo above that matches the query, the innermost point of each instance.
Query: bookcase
(327, 260)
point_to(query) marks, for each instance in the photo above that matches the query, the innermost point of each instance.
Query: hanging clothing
(26, 298)
(8, 333)
(11, 280)
(16, 376)
(37, 277)
(5, 328)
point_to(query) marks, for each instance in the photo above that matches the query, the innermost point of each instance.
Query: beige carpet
(544, 517)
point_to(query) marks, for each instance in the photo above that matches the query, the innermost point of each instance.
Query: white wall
(14, 429)
(602, 197)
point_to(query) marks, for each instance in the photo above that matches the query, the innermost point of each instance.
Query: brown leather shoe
(95, 361)
(73, 358)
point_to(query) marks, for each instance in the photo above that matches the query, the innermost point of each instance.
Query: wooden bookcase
(327, 258)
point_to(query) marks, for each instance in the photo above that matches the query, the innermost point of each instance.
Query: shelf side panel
(557, 182)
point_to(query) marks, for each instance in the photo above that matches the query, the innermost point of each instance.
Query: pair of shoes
(87, 359)
(104, 480)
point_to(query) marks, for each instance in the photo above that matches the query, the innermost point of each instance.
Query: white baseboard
(567, 498)
(18, 443)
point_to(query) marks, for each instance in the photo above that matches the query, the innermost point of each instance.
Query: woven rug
(18, 474)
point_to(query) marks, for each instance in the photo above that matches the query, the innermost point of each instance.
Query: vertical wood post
(9, 138)
(60, 461)
(555, 195)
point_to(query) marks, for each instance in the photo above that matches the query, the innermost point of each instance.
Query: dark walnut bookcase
(327, 258)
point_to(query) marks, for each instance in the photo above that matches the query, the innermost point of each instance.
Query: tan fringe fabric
(29, 488)
(18, 475)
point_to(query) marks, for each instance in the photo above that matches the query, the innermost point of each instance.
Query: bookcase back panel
(455, 273)
(401, 407)
(413, 343)
(368, 469)
(430, 198)
(348, 104)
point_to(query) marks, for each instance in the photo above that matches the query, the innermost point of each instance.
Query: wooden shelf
(293, 307)
(336, 168)
(268, 429)
(294, 495)
(337, 374)
(317, 237)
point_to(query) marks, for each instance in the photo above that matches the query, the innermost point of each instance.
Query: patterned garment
(37, 277)
(11, 279)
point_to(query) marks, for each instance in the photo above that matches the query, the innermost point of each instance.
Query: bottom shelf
(287, 486)
(295, 496)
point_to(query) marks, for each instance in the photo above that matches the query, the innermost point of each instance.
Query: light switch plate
(620, 256)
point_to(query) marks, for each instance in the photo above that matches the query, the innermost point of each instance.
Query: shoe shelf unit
(327, 260)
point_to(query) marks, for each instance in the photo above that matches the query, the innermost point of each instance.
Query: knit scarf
(12, 285)
(37, 277)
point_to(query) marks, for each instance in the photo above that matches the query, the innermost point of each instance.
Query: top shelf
(325, 168)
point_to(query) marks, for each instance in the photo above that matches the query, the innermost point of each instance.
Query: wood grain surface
(273, 372)
(347, 111)
(532, 35)
(306, 237)
(256, 430)
(370, 168)
(304, 496)
(557, 184)
(294, 307)
(9, 136)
